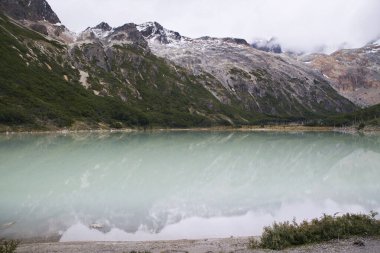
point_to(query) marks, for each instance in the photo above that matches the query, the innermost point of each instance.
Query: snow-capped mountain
(153, 31)
(170, 79)
(251, 76)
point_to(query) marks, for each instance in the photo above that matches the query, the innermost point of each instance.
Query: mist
(299, 25)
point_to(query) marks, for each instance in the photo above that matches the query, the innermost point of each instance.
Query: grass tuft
(287, 234)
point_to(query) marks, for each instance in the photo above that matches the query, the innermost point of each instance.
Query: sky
(300, 25)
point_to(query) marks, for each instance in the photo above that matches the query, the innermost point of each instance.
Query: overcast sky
(298, 24)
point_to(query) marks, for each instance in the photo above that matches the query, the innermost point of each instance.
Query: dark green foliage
(367, 116)
(8, 246)
(361, 126)
(287, 234)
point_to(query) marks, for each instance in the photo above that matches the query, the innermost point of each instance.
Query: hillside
(145, 76)
(354, 73)
(40, 87)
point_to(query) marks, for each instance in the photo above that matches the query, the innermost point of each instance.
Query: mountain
(354, 73)
(47, 84)
(261, 82)
(145, 76)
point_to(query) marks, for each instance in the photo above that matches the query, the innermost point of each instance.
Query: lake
(175, 185)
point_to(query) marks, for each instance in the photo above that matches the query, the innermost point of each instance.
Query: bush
(361, 126)
(14, 116)
(287, 234)
(116, 125)
(8, 246)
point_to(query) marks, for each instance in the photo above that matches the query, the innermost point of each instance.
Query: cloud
(298, 24)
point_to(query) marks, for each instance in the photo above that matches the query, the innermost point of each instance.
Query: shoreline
(232, 244)
(269, 128)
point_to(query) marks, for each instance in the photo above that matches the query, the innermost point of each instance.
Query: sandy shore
(273, 128)
(371, 245)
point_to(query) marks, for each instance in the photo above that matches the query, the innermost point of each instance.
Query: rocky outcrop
(103, 26)
(354, 73)
(38, 16)
(153, 31)
(108, 36)
(32, 10)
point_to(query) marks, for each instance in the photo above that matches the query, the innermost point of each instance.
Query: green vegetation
(365, 117)
(40, 90)
(8, 246)
(33, 96)
(283, 235)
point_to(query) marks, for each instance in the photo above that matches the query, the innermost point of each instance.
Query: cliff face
(354, 73)
(33, 10)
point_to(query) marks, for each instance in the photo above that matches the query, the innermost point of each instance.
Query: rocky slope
(354, 73)
(32, 10)
(47, 83)
(262, 82)
(38, 16)
(146, 75)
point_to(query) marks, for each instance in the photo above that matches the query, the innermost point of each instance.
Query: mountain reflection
(154, 182)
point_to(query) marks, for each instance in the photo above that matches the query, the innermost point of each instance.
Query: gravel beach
(371, 245)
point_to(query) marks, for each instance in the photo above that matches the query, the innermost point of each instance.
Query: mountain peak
(103, 26)
(33, 10)
(155, 32)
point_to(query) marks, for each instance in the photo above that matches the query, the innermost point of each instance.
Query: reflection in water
(148, 186)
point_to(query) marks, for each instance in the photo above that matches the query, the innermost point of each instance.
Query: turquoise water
(175, 185)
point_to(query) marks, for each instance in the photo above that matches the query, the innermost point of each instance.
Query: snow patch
(101, 34)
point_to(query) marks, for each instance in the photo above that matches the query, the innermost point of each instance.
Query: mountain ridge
(213, 81)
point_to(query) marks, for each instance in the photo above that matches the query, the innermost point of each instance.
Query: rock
(156, 32)
(359, 243)
(39, 28)
(236, 41)
(354, 73)
(33, 10)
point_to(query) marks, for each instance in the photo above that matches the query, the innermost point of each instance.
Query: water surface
(175, 185)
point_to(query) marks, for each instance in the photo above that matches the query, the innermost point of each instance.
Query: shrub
(8, 246)
(361, 126)
(286, 234)
(116, 125)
